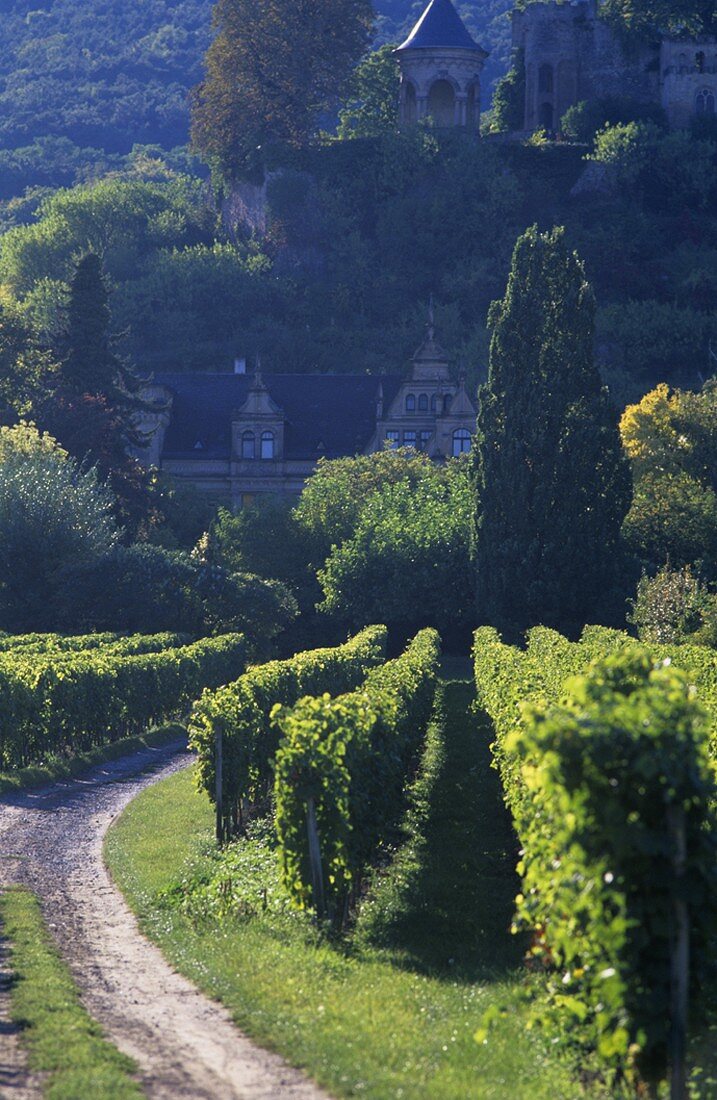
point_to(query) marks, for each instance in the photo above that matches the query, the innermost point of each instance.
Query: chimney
(240, 365)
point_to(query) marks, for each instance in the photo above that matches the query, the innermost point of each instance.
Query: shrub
(239, 714)
(346, 760)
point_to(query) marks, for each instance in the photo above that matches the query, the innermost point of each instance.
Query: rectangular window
(409, 439)
(393, 439)
(424, 438)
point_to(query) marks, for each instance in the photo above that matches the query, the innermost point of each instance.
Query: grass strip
(62, 1040)
(394, 1012)
(38, 775)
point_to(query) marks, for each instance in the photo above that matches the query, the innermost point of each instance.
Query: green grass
(37, 775)
(394, 1012)
(62, 1040)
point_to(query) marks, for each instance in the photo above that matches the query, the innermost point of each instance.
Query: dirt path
(185, 1044)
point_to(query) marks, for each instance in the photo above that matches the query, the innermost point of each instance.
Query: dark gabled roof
(325, 414)
(440, 25)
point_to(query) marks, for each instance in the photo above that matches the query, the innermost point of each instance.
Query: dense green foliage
(670, 438)
(64, 1043)
(57, 644)
(57, 703)
(326, 288)
(240, 714)
(552, 484)
(594, 769)
(408, 558)
(350, 757)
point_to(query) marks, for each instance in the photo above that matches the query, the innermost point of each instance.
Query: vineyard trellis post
(680, 957)
(219, 785)
(317, 877)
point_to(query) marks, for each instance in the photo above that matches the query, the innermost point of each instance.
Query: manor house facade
(235, 436)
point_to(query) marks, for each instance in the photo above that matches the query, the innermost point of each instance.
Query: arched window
(410, 111)
(545, 116)
(705, 102)
(545, 79)
(423, 402)
(433, 402)
(461, 441)
(410, 402)
(700, 61)
(682, 63)
(446, 402)
(247, 445)
(442, 103)
(267, 444)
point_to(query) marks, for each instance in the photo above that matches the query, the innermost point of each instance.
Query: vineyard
(605, 753)
(65, 695)
(353, 811)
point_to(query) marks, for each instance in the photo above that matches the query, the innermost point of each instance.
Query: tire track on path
(185, 1044)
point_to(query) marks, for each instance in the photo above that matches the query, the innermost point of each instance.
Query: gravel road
(184, 1043)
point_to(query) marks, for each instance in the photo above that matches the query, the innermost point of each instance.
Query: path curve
(185, 1044)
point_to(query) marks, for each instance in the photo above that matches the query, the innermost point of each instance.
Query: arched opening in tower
(545, 116)
(442, 103)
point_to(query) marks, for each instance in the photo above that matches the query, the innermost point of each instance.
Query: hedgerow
(239, 713)
(608, 777)
(54, 707)
(343, 762)
(59, 644)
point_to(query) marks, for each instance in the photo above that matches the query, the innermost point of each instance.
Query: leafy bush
(408, 559)
(350, 757)
(145, 588)
(583, 120)
(674, 607)
(53, 514)
(55, 707)
(60, 645)
(240, 712)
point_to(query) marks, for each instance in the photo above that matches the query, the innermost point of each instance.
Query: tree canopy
(274, 67)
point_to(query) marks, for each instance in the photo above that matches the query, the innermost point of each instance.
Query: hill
(110, 74)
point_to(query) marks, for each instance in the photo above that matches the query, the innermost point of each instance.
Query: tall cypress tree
(552, 483)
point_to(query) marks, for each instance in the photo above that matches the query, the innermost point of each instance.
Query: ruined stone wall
(571, 55)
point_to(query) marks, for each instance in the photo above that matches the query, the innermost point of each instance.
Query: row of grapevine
(603, 750)
(341, 771)
(58, 707)
(61, 646)
(238, 715)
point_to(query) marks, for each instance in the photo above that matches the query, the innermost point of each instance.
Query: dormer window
(248, 446)
(410, 402)
(267, 444)
(423, 402)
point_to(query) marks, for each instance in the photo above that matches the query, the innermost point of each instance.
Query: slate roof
(440, 25)
(325, 414)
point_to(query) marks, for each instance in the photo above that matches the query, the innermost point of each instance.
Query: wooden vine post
(219, 785)
(317, 876)
(679, 959)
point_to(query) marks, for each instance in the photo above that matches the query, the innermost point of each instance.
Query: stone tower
(440, 70)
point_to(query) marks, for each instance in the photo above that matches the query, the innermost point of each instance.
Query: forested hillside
(108, 74)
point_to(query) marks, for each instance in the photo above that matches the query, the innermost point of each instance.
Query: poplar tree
(552, 483)
(274, 68)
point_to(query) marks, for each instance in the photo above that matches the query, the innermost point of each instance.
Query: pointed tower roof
(440, 26)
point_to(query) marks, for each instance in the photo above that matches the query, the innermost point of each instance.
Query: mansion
(237, 435)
